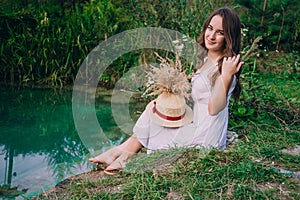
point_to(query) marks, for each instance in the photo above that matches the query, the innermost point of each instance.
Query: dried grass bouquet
(168, 77)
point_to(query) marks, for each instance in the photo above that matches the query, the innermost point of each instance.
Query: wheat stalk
(168, 77)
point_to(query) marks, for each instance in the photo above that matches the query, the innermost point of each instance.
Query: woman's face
(214, 35)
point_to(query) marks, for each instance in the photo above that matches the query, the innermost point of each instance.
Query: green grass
(230, 174)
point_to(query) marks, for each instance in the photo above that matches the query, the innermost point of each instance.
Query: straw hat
(169, 110)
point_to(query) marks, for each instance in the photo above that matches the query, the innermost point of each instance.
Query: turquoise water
(39, 145)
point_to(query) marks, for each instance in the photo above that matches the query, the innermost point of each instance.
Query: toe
(101, 159)
(107, 157)
(120, 162)
(116, 165)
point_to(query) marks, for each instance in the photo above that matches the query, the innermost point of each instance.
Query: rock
(295, 151)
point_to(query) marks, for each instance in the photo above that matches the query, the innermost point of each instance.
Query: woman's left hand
(231, 65)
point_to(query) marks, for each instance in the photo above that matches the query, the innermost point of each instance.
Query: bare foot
(121, 161)
(116, 157)
(108, 156)
(113, 159)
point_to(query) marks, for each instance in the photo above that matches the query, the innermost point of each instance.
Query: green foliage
(276, 21)
(51, 40)
(183, 16)
(269, 82)
(46, 42)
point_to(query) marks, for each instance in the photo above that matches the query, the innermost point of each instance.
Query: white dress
(205, 130)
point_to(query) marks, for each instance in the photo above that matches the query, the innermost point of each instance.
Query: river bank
(96, 184)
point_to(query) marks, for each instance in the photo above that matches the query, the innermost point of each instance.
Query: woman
(212, 86)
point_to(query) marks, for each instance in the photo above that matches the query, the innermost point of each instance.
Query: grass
(250, 169)
(230, 174)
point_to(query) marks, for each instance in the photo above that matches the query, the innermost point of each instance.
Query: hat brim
(188, 117)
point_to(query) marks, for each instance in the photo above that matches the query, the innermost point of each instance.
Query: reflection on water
(39, 145)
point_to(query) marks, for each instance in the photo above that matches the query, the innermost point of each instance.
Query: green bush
(276, 21)
(45, 42)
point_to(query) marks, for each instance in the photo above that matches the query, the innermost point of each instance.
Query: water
(39, 145)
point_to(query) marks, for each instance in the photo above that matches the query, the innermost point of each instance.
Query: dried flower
(168, 77)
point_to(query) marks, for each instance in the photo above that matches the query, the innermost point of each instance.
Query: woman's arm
(218, 100)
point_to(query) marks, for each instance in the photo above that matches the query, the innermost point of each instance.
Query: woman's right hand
(230, 66)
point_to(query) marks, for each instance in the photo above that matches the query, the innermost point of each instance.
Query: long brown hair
(232, 33)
